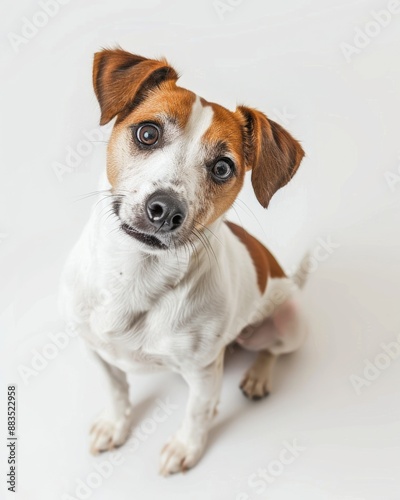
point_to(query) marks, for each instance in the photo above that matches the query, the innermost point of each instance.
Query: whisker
(211, 249)
(195, 253)
(207, 245)
(237, 215)
(252, 214)
(92, 193)
(208, 229)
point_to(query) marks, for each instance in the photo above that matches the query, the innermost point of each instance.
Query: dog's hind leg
(256, 382)
(281, 333)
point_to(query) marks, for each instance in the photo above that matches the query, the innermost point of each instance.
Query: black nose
(165, 211)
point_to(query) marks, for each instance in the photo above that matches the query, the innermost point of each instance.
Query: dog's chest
(141, 314)
(125, 295)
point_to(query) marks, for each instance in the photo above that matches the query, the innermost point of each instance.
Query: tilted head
(175, 161)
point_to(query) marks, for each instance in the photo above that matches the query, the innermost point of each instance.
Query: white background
(285, 58)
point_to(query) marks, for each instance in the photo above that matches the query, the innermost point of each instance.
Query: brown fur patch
(167, 99)
(226, 129)
(270, 151)
(264, 262)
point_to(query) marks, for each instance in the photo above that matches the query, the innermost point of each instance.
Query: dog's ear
(270, 151)
(121, 80)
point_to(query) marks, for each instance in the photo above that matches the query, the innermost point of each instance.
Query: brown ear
(121, 80)
(272, 153)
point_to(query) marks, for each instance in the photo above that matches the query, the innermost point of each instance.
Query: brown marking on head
(264, 262)
(224, 134)
(167, 100)
(123, 82)
(256, 143)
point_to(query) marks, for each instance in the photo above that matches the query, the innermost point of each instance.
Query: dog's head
(175, 161)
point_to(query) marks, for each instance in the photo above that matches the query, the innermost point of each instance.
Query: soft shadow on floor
(238, 360)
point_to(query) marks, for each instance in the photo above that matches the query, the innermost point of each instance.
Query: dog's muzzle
(165, 212)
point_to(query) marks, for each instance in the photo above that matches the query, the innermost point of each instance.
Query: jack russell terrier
(159, 278)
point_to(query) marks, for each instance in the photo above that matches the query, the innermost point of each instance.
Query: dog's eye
(148, 134)
(223, 169)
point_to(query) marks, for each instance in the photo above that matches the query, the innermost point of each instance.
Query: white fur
(175, 310)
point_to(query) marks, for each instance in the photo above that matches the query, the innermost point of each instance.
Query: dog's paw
(107, 433)
(254, 387)
(179, 456)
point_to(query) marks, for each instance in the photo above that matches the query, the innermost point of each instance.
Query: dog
(159, 278)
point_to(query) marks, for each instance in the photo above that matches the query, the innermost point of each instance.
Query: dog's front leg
(111, 429)
(186, 447)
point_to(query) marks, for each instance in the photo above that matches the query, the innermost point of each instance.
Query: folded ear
(270, 151)
(121, 80)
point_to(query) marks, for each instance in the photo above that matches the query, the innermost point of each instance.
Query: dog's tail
(300, 276)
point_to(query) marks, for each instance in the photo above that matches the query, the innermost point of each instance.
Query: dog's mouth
(147, 239)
